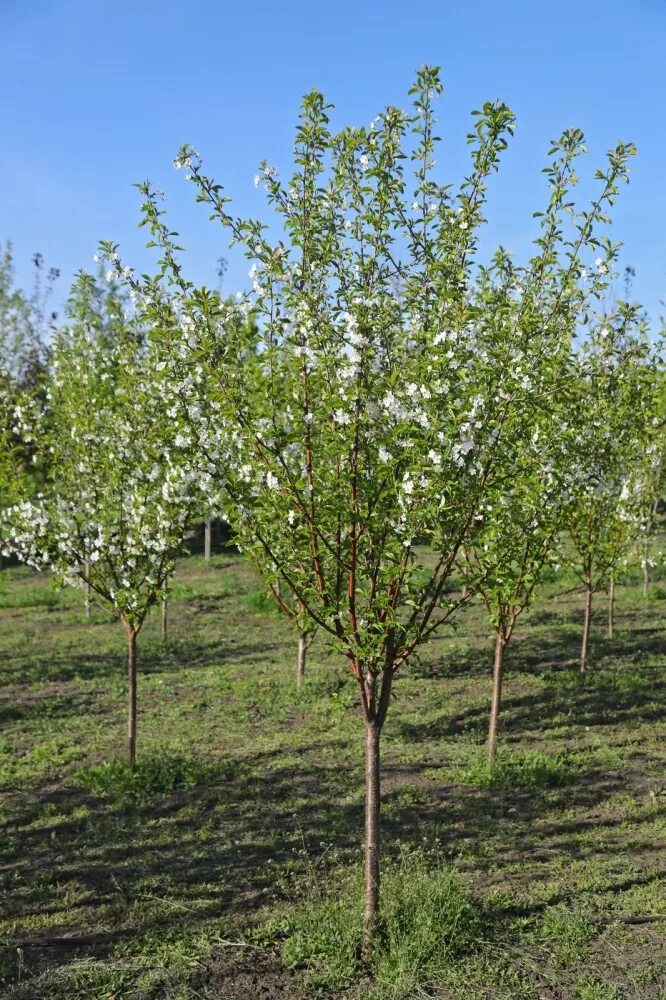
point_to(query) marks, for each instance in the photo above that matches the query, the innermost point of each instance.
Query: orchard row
(381, 412)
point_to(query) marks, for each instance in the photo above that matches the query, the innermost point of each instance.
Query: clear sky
(95, 96)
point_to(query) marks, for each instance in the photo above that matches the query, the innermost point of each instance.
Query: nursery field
(229, 864)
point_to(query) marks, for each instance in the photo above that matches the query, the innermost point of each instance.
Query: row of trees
(380, 411)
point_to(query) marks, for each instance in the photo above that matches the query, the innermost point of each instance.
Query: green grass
(227, 865)
(427, 919)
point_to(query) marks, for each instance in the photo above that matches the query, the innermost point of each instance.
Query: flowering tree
(23, 322)
(10, 465)
(22, 365)
(120, 490)
(516, 531)
(617, 454)
(374, 411)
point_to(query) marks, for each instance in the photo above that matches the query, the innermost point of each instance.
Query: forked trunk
(303, 643)
(498, 670)
(372, 842)
(131, 683)
(207, 538)
(611, 606)
(586, 630)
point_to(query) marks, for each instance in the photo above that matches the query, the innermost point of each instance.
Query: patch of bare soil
(250, 974)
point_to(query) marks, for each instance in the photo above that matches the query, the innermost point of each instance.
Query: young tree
(516, 532)
(24, 323)
(617, 453)
(120, 489)
(375, 411)
(23, 352)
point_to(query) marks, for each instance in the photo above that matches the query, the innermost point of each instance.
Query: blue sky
(96, 96)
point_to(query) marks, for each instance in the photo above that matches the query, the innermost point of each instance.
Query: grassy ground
(227, 865)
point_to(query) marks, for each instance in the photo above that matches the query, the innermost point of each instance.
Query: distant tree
(617, 449)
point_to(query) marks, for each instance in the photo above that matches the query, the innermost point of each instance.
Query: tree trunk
(303, 643)
(207, 539)
(372, 802)
(164, 618)
(586, 629)
(131, 681)
(498, 668)
(611, 606)
(88, 592)
(646, 578)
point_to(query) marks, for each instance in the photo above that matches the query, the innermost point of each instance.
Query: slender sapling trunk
(372, 838)
(131, 683)
(611, 605)
(498, 669)
(164, 618)
(303, 644)
(88, 592)
(207, 538)
(646, 579)
(586, 629)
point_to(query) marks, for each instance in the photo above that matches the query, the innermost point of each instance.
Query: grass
(428, 918)
(227, 866)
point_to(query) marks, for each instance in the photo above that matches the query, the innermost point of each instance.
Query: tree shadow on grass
(154, 657)
(597, 701)
(539, 653)
(210, 852)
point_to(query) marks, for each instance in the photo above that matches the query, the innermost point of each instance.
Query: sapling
(617, 453)
(374, 411)
(120, 489)
(516, 532)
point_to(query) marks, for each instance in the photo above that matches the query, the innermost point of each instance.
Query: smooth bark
(611, 606)
(88, 592)
(498, 670)
(207, 538)
(164, 622)
(303, 643)
(586, 629)
(372, 838)
(131, 683)
(646, 578)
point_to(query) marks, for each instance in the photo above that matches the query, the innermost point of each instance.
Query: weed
(531, 769)
(155, 774)
(565, 933)
(427, 919)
